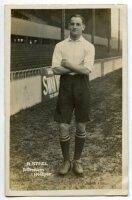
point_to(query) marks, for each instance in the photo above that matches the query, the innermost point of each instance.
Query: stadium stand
(35, 32)
(23, 55)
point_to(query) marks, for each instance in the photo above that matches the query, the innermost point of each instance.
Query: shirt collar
(79, 40)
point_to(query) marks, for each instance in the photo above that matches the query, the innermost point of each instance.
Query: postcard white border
(125, 142)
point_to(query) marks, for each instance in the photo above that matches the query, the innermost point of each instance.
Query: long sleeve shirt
(78, 52)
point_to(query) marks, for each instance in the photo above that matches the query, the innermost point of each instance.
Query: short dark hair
(80, 16)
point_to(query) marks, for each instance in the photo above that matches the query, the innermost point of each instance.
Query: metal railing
(26, 73)
(14, 75)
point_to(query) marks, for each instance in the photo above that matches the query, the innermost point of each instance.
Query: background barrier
(30, 87)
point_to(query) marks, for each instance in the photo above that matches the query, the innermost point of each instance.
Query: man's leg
(65, 145)
(79, 144)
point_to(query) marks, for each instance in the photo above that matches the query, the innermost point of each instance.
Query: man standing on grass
(73, 59)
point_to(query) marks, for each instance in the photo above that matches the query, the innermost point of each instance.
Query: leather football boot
(77, 167)
(65, 168)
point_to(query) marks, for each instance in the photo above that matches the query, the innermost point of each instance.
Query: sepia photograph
(66, 100)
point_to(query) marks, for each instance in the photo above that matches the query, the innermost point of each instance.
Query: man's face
(76, 26)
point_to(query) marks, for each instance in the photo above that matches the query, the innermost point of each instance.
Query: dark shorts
(74, 95)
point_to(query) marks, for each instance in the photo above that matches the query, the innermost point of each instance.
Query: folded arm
(86, 66)
(61, 70)
(80, 69)
(63, 66)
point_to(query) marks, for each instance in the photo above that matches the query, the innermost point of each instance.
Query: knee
(80, 132)
(64, 129)
(81, 127)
